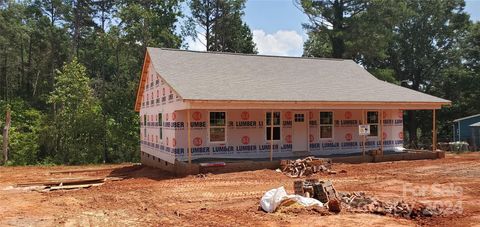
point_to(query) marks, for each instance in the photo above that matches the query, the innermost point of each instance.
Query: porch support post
(271, 135)
(434, 131)
(189, 146)
(381, 131)
(308, 131)
(364, 136)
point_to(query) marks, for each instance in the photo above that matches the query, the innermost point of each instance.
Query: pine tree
(223, 27)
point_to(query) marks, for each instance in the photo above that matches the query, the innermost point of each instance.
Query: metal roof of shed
(475, 125)
(465, 118)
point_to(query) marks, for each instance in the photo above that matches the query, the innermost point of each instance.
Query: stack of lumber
(67, 183)
(83, 181)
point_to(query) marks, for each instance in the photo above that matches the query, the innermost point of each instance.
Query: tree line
(69, 69)
(428, 46)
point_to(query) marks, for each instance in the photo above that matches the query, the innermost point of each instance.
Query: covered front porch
(298, 129)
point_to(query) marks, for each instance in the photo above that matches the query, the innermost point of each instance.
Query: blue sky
(277, 25)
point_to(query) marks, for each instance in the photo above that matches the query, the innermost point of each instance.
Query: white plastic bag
(273, 198)
(305, 201)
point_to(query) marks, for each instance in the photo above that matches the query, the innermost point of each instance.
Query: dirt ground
(152, 197)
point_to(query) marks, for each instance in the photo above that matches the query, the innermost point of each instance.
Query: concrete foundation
(179, 168)
(182, 169)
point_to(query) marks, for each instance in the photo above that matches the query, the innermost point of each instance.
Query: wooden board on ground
(76, 186)
(69, 181)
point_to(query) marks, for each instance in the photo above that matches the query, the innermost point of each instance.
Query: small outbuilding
(462, 128)
(211, 106)
(475, 136)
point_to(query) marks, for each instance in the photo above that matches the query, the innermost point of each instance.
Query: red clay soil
(152, 197)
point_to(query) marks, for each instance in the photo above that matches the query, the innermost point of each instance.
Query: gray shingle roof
(222, 76)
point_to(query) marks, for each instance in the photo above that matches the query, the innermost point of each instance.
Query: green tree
(37, 37)
(424, 47)
(344, 28)
(150, 23)
(471, 47)
(461, 80)
(224, 29)
(80, 21)
(77, 117)
(412, 43)
(24, 139)
(103, 10)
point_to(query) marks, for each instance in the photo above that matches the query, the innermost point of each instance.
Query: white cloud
(282, 42)
(197, 44)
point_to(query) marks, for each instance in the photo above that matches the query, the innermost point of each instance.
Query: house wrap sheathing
(206, 105)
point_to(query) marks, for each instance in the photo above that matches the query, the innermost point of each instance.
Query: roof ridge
(253, 55)
(467, 117)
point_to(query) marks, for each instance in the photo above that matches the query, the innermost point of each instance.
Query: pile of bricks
(359, 202)
(323, 191)
(306, 166)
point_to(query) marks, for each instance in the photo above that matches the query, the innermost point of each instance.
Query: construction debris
(320, 190)
(63, 181)
(278, 197)
(334, 205)
(75, 186)
(306, 166)
(359, 202)
(202, 175)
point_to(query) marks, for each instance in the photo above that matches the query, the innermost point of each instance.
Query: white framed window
(326, 125)
(299, 117)
(275, 124)
(372, 120)
(218, 127)
(160, 126)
